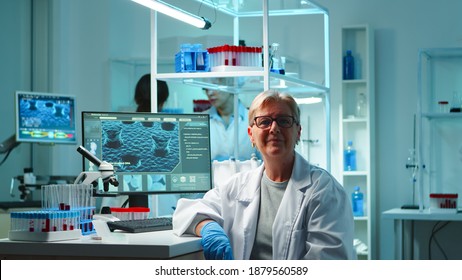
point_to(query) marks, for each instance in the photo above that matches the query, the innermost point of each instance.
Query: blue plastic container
(191, 58)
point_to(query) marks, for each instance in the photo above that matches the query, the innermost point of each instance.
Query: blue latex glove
(215, 242)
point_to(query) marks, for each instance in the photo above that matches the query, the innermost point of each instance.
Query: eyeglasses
(266, 122)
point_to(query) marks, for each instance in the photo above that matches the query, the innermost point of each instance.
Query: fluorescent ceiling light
(174, 12)
(308, 100)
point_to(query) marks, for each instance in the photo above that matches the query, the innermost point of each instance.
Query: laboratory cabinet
(439, 123)
(306, 69)
(356, 123)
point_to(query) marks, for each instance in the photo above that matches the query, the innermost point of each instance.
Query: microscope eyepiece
(84, 152)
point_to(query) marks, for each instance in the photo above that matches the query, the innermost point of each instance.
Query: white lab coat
(222, 141)
(314, 220)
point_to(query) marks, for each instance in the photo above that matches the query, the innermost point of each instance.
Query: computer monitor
(152, 153)
(45, 118)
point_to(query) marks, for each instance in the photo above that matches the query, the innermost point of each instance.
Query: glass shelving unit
(440, 133)
(254, 81)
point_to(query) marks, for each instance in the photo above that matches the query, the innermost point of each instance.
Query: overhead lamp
(174, 12)
(308, 100)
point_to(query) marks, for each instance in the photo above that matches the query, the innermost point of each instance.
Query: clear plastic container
(130, 213)
(361, 106)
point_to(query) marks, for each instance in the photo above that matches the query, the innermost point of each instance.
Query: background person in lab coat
(285, 209)
(222, 126)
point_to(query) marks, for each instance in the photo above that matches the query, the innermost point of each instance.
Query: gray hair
(271, 96)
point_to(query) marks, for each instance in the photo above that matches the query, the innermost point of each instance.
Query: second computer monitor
(45, 118)
(152, 153)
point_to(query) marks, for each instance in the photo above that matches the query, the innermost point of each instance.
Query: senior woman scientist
(285, 209)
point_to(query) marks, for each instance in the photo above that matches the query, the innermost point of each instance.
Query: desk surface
(425, 215)
(146, 245)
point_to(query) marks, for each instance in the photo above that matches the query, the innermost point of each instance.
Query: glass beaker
(276, 61)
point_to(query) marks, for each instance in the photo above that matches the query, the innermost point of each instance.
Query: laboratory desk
(119, 245)
(400, 216)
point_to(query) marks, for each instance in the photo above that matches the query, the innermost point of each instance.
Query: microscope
(105, 171)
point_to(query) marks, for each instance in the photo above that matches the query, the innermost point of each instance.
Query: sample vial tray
(45, 236)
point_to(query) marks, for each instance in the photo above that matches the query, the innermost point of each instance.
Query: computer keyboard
(144, 225)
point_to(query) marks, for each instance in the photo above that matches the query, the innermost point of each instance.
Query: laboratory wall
(87, 41)
(15, 73)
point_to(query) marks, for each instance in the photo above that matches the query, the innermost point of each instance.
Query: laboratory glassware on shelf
(277, 62)
(357, 123)
(438, 73)
(361, 106)
(349, 155)
(357, 200)
(348, 66)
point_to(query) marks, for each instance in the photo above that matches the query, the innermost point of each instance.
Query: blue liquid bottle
(348, 66)
(349, 157)
(357, 199)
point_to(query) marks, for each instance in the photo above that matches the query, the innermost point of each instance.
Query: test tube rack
(71, 197)
(235, 58)
(44, 225)
(443, 203)
(67, 213)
